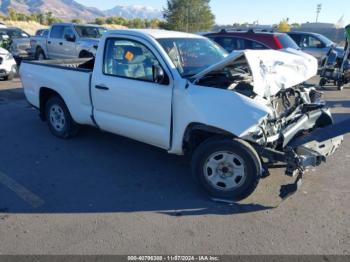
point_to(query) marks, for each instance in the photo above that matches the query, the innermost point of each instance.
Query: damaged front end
(299, 130)
(299, 113)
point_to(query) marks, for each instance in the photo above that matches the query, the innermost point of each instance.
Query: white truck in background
(233, 114)
(67, 40)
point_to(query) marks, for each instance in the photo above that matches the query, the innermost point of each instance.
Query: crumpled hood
(272, 70)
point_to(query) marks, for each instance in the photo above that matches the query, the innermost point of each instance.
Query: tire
(340, 85)
(39, 54)
(323, 82)
(60, 121)
(10, 76)
(227, 168)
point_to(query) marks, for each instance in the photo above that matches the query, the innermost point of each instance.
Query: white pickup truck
(233, 114)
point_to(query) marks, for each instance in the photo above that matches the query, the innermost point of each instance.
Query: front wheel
(40, 55)
(227, 168)
(323, 82)
(10, 76)
(60, 121)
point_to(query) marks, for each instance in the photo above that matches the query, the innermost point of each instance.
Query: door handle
(101, 87)
(49, 42)
(61, 43)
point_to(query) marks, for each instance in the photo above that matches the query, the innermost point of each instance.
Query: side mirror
(159, 75)
(69, 38)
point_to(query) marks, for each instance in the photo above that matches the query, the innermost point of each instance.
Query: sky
(263, 11)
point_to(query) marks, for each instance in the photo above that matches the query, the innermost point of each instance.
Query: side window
(67, 30)
(230, 43)
(46, 33)
(310, 42)
(296, 38)
(314, 42)
(57, 32)
(129, 59)
(255, 45)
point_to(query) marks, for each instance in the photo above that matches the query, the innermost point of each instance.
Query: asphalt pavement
(103, 194)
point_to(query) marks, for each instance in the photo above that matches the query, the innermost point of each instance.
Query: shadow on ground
(94, 172)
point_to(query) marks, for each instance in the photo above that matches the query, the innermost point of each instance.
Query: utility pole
(318, 11)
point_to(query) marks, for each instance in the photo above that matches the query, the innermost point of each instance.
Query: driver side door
(68, 47)
(126, 98)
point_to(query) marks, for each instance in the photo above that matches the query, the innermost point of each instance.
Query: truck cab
(67, 40)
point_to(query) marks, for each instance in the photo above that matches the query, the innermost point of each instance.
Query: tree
(295, 25)
(41, 19)
(100, 20)
(154, 23)
(137, 23)
(284, 26)
(189, 15)
(12, 14)
(77, 21)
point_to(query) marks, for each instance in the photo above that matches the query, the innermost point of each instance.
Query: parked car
(67, 40)
(185, 94)
(315, 44)
(251, 39)
(8, 66)
(19, 42)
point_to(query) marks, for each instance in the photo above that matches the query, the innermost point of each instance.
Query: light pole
(318, 11)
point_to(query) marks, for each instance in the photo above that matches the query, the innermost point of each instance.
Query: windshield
(325, 40)
(90, 31)
(192, 55)
(14, 33)
(287, 41)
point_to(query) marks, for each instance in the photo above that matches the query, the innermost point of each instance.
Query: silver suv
(315, 44)
(67, 40)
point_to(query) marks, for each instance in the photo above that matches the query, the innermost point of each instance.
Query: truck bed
(81, 64)
(71, 78)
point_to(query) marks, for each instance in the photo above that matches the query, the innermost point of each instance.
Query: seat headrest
(128, 54)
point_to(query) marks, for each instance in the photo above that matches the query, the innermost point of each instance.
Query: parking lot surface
(103, 194)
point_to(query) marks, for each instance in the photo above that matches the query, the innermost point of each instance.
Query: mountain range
(68, 9)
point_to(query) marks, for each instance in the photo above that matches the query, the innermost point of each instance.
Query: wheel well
(44, 95)
(84, 53)
(38, 49)
(196, 134)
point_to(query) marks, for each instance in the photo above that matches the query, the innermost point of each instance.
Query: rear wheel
(59, 119)
(340, 85)
(227, 168)
(323, 82)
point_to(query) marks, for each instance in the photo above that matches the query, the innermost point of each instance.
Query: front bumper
(308, 150)
(22, 55)
(303, 149)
